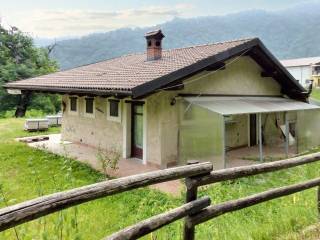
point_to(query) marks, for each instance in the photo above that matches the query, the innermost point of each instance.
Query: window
(89, 105)
(73, 104)
(114, 108)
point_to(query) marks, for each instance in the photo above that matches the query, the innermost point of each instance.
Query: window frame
(91, 115)
(72, 112)
(114, 118)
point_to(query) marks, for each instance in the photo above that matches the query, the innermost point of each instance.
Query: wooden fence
(195, 211)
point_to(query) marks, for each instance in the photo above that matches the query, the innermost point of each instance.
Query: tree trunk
(23, 104)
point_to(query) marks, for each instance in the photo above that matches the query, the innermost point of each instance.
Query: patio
(126, 167)
(250, 155)
(88, 155)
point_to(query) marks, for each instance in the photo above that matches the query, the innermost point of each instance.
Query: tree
(20, 59)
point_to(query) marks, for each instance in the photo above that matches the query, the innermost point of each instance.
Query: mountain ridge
(285, 33)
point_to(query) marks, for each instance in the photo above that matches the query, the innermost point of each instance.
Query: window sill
(114, 119)
(89, 115)
(73, 113)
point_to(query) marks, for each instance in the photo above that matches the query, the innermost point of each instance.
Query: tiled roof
(300, 62)
(126, 72)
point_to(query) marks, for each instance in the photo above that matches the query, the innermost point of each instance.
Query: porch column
(145, 129)
(286, 134)
(260, 137)
(126, 130)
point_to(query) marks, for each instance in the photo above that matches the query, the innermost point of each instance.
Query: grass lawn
(26, 173)
(315, 94)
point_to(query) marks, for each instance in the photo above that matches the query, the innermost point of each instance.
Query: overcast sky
(57, 18)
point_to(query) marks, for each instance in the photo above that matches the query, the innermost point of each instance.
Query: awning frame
(280, 105)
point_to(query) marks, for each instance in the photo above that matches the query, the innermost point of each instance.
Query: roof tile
(126, 72)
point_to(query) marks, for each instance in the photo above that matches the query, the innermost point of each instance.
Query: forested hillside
(288, 33)
(20, 59)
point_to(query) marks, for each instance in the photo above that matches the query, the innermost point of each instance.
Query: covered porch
(232, 130)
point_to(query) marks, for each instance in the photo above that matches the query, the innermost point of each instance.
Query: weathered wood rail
(195, 211)
(29, 210)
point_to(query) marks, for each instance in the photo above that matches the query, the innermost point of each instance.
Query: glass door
(137, 131)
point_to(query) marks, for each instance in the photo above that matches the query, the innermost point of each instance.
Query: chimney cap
(157, 34)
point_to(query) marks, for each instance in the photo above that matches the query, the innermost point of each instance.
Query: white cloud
(57, 23)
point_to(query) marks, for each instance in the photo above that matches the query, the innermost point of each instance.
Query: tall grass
(316, 94)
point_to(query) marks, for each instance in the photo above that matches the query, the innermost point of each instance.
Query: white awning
(246, 105)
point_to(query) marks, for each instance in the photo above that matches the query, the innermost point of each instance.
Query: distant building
(304, 70)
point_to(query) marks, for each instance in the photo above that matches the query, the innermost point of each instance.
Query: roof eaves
(280, 66)
(60, 90)
(149, 87)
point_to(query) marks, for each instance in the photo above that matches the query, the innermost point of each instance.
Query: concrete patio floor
(250, 155)
(88, 155)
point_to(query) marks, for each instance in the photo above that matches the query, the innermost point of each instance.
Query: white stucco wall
(242, 77)
(96, 130)
(301, 73)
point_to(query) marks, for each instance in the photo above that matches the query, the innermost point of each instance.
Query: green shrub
(32, 113)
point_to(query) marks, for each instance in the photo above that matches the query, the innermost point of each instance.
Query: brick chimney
(154, 45)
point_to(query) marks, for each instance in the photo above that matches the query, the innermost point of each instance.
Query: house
(304, 70)
(165, 107)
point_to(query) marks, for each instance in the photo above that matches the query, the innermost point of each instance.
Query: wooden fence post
(191, 195)
(318, 201)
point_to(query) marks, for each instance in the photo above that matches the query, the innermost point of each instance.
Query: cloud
(57, 23)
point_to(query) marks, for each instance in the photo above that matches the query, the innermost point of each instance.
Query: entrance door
(253, 129)
(137, 131)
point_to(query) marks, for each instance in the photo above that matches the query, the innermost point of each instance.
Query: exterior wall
(316, 81)
(242, 77)
(96, 131)
(162, 129)
(301, 73)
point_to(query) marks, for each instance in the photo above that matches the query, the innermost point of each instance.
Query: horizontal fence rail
(235, 205)
(195, 211)
(156, 222)
(246, 171)
(29, 210)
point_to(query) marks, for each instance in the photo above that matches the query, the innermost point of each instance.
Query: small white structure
(36, 124)
(304, 70)
(54, 120)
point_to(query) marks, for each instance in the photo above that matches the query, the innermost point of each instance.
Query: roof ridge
(165, 50)
(192, 46)
(288, 59)
(212, 43)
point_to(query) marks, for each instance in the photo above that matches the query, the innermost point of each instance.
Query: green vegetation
(31, 113)
(284, 42)
(310, 233)
(315, 94)
(26, 173)
(20, 59)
